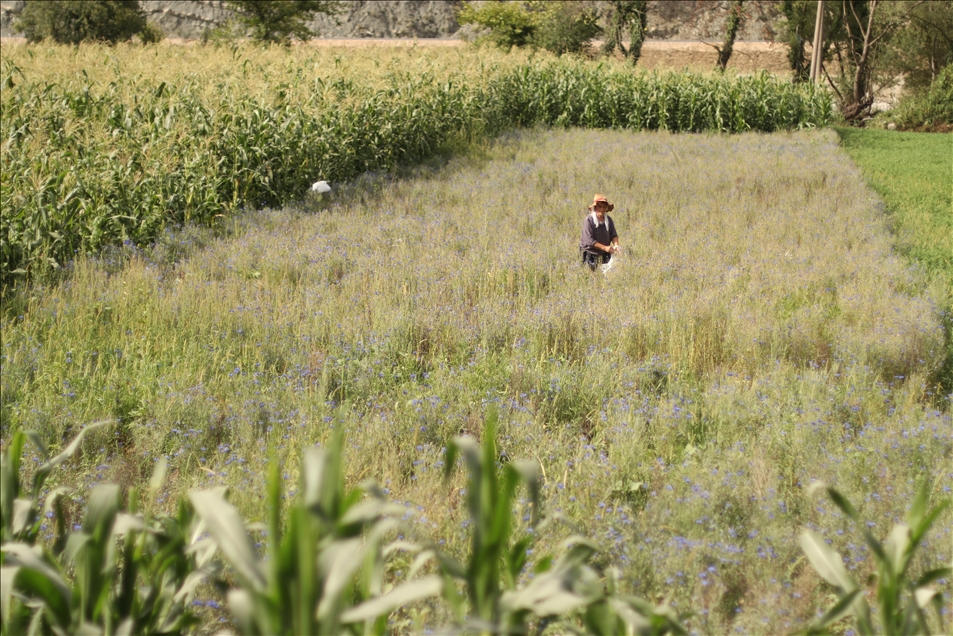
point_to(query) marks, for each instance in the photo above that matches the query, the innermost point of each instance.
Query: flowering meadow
(757, 334)
(104, 144)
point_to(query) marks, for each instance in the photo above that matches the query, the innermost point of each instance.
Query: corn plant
(120, 572)
(498, 599)
(901, 601)
(325, 572)
(18, 506)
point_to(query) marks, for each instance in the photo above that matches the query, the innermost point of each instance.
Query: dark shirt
(591, 234)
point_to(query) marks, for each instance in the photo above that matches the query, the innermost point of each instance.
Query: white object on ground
(321, 187)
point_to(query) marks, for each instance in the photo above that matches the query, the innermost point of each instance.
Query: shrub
(930, 110)
(509, 23)
(72, 21)
(566, 28)
(555, 26)
(151, 33)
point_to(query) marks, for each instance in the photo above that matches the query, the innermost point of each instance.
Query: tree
(565, 27)
(923, 47)
(280, 21)
(870, 45)
(797, 29)
(733, 24)
(75, 21)
(626, 16)
(508, 24)
(867, 27)
(560, 27)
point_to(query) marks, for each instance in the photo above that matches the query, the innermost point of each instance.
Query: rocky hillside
(668, 19)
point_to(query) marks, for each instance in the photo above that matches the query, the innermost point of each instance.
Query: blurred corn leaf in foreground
(118, 572)
(326, 565)
(566, 588)
(903, 603)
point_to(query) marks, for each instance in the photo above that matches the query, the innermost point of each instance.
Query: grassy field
(913, 173)
(759, 333)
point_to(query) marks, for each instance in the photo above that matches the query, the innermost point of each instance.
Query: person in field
(599, 239)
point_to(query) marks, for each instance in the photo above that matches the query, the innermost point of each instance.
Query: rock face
(705, 20)
(668, 19)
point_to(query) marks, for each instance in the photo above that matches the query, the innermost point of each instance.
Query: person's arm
(615, 236)
(588, 240)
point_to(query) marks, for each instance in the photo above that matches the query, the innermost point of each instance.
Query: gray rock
(668, 19)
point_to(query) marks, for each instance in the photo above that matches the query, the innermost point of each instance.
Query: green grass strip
(913, 173)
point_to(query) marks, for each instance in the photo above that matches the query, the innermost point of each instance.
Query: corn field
(99, 154)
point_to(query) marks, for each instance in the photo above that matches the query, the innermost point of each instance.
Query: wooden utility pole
(817, 55)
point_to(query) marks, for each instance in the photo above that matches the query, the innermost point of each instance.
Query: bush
(566, 28)
(555, 26)
(151, 33)
(509, 23)
(75, 21)
(930, 110)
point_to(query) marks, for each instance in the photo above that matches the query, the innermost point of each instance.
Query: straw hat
(601, 198)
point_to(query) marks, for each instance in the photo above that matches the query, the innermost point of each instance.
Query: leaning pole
(816, 54)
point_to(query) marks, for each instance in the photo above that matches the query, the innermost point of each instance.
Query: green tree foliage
(924, 46)
(280, 21)
(75, 21)
(560, 27)
(565, 27)
(797, 30)
(509, 23)
(870, 44)
(626, 16)
(930, 109)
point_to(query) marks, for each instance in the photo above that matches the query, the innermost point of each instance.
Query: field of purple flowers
(757, 334)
